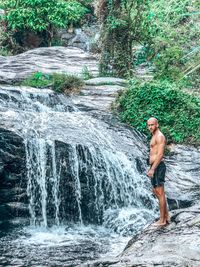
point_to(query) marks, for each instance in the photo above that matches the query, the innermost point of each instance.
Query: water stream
(85, 193)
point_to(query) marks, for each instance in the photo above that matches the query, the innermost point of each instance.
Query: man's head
(152, 124)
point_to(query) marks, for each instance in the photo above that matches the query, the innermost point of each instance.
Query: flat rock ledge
(177, 244)
(97, 97)
(48, 60)
(107, 81)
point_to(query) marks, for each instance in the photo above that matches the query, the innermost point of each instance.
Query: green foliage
(86, 74)
(59, 82)
(178, 113)
(75, 12)
(122, 25)
(66, 83)
(4, 49)
(41, 16)
(4, 52)
(34, 15)
(38, 80)
(173, 31)
(166, 35)
(168, 63)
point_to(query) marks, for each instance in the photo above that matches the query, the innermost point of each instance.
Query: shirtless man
(158, 168)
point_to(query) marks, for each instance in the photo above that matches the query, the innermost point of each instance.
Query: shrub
(86, 74)
(173, 43)
(40, 16)
(178, 112)
(38, 80)
(59, 82)
(66, 83)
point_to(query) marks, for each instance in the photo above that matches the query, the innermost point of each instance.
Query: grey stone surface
(178, 244)
(102, 90)
(99, 97)
(106, 81)
(182, 177)
(47, 60)
(12, 170)
(86, 38)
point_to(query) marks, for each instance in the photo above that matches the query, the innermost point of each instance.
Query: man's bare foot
(159, 223)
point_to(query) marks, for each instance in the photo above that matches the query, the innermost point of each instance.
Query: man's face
(152, 125)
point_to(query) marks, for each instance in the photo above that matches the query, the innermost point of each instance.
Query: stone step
(106, 81)
(101, 90)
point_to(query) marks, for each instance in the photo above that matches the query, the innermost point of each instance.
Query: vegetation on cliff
(178, 112)
(59, 82)
(37, 18)
(163, 37)
(163, 42)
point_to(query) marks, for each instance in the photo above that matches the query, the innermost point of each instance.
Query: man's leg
(160, 193)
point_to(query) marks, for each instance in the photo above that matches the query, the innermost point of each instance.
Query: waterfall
(40, 184)
(79, 168)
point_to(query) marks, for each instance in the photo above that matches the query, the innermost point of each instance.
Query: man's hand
(150, 173)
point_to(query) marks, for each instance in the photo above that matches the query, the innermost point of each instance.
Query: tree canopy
(40, 15)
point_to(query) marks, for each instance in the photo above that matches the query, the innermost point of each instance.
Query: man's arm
(160, 140)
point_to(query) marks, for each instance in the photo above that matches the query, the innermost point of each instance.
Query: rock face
(182, 178)
(99, 93)
(47, 60)
(86, 38)
(178, 244)
(13, 197)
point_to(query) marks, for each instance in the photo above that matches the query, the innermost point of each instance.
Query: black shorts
(158, 178)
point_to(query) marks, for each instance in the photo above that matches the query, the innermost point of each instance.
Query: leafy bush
(40, 15)
(38, 80)
(168, 63)
(86, 74)
(173, 31)
(75, 12)
(178, 113)
(4, 52)
(59, 82)
(66, 83)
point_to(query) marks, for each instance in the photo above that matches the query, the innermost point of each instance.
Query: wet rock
(47, 60)
(13, 210)
(86, 38)
(12, 194)
(97, 95)
(12, 155)
(17, 209)
(101, 90)
(177, 244)
(182, 177)
(12, 170)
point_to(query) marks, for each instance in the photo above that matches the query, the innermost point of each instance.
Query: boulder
(46, 60)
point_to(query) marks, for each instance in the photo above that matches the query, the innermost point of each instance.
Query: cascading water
(78, 169)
